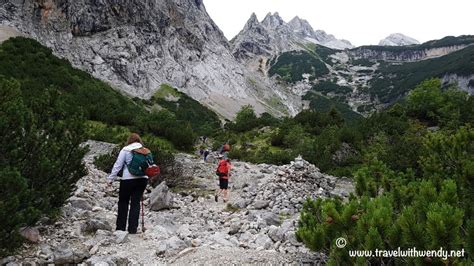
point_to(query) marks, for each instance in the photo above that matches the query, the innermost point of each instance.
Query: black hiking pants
(130, 193)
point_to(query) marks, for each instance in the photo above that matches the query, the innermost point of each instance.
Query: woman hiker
(131, 186)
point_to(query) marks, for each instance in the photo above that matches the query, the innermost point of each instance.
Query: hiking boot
(215, 198)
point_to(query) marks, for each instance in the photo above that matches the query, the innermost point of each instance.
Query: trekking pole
(143, 217)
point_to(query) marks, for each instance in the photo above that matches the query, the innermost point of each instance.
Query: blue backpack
(142, 159)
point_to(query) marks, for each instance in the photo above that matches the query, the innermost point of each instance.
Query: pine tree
(40, 157)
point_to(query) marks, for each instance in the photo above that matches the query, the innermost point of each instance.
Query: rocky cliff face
(305, 32)
(466, 83)
(259, 41)
(398, 39)
(402, 55)
(139, 45)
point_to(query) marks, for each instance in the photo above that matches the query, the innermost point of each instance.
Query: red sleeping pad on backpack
(152, 171)
(222, 169)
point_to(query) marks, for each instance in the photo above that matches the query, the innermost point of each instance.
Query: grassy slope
(202, 119)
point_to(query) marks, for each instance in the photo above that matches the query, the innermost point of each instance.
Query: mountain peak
(398, 39)
(252, 20)
(301, 26)
(273, 21)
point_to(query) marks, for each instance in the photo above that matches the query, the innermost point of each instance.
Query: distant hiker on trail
(206, 153)
(225, 150)
(223, 171)
(137, 164)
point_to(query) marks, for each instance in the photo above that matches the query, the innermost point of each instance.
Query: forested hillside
(414, 185)
(370, 78)
(412, 163)
(392, 81)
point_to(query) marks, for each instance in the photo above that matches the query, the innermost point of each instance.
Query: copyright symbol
(341, 242)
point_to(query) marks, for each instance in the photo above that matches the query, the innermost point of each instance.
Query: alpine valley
(276, 66)
(370, 146)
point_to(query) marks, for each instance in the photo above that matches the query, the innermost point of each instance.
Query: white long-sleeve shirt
(124, 158)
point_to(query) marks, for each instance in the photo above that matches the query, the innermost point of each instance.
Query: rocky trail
(257, 226)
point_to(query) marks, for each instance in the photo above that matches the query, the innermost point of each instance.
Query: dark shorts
(223, 183)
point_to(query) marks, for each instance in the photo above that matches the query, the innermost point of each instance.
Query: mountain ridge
(370, 78)
(138, 46)
(275, 35)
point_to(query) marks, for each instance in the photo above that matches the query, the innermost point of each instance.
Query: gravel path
(258, 227)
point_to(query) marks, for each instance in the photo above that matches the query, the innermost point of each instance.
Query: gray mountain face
(305, 32)
(368, 52)
(137, 45)
(255, 39)
(259, 41)
(398, 39)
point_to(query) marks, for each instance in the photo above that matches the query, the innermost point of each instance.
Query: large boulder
(161, 197)
(7, 260)
(275, 234)
(271, 218)
(120, 237)
(261, 204)
(32, 234)
(65, 255)
(170, 246)
(221, 240)
(235, 228)
(263, 242)
(80, 203)
(92, 225)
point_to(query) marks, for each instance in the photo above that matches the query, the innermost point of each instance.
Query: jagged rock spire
(273, 21)
(251, 21)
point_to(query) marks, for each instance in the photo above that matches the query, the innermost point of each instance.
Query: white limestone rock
(398, 39)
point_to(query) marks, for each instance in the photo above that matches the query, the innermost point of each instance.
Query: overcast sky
(359, 21)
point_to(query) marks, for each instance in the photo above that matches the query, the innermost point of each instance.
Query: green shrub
(40, 157)
(203, 121)
(105, 162)
(428, 209)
